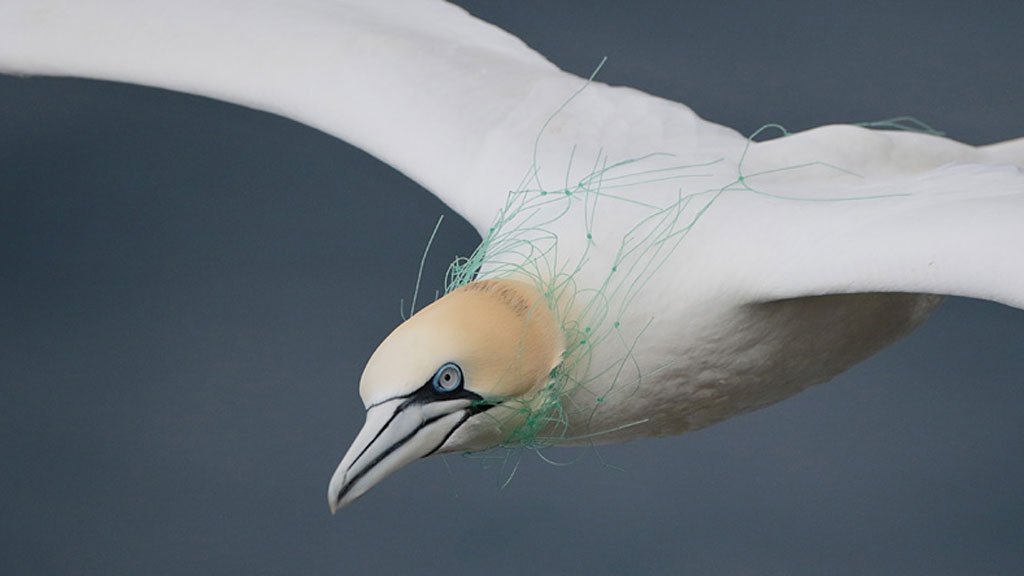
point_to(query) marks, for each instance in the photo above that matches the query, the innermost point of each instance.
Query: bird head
(428, 385)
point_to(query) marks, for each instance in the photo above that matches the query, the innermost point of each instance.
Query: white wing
(458, 104)
(841, 209)
(451, 101)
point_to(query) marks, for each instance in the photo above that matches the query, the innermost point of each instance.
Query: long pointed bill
(396, 432)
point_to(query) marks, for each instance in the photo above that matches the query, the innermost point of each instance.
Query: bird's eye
(448, 378)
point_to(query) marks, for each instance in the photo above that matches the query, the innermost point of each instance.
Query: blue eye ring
(448, 378)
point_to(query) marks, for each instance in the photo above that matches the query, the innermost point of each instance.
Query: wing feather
(906, 213)
(453, 102)
(458, 105)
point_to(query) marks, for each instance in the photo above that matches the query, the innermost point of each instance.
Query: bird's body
(693, 272)
(723, 362)
(695, 345)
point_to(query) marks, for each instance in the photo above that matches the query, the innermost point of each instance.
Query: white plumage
(790, 244)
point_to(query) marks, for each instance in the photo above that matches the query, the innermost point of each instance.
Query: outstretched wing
(453, 102)
(458, 105)
(841, 209)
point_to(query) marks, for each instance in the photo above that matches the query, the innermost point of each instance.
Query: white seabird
(762, 269)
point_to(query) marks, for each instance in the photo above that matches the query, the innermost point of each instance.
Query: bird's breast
(680, 376)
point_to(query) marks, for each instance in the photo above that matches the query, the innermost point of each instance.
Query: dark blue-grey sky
(189, 290)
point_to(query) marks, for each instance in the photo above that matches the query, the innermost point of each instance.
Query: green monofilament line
(903, 123)
(521, 243)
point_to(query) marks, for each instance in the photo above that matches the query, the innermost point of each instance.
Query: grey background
(189, 291)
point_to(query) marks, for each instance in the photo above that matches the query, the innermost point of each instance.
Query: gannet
(783, 262)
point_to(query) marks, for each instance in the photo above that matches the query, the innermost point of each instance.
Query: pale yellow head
(485, 343)
(500, 332)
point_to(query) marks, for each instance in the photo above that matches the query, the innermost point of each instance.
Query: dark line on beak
(422, 395)
(467, 413)
(379, 432)
(391, 449)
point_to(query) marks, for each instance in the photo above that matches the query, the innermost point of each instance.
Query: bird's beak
(396, 432)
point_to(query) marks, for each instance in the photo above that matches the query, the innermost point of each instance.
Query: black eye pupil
(448, 378)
